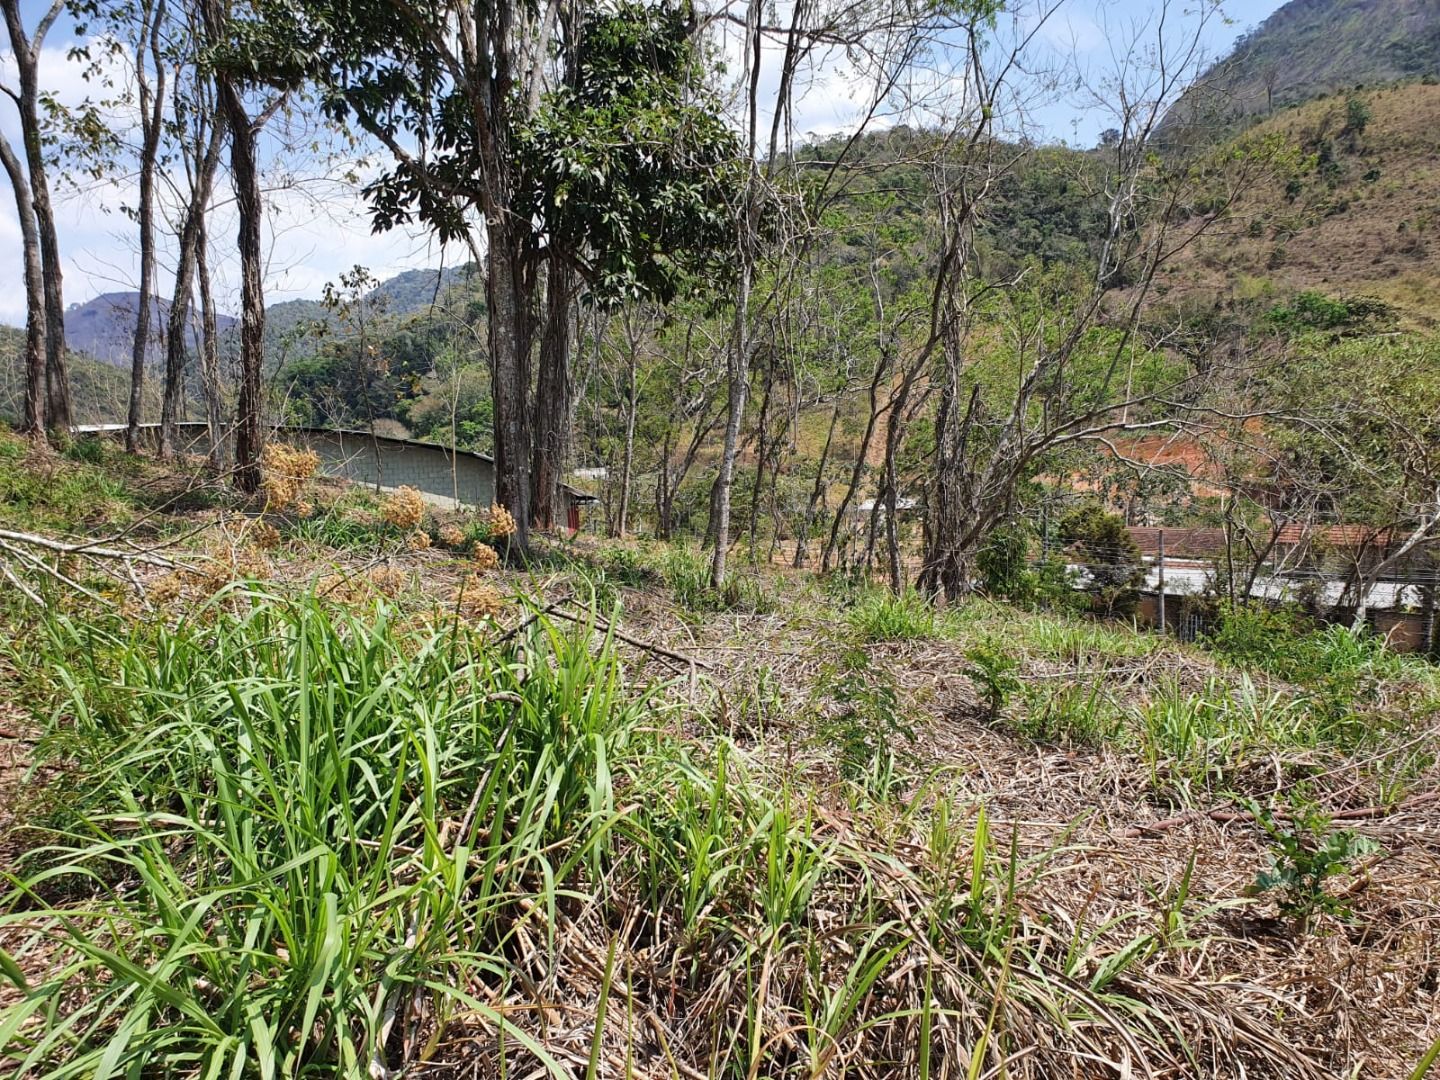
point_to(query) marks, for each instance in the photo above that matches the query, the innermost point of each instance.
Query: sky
(317, 223)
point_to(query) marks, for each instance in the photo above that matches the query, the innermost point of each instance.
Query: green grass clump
(1077, 640)
(288, 823)
(1074, 714)
(1286, 644)
(1203, 740)
(350, 523)
(687, 574)
(880, 615)
(66, 493)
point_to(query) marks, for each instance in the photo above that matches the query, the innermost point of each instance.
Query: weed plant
(687, 574)
(881, 615)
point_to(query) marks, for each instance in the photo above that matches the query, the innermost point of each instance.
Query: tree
(37, 221)
(232, 42)
(1111, 567)
(150, 71)
(34, 414)
(529, 179)
(629, 166)
(1069, 363)
(200, 131)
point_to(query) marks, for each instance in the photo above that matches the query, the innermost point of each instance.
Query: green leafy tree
(481, 153)
(1113, 569)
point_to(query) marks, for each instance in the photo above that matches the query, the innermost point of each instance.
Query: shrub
(1357, 118)
(1305, 854)
(992, 670)
(286, 470)
(403, 509)
(1002, 562)
(1253, 635)
(868, 723)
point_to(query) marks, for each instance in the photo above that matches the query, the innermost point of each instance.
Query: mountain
(1356, 219)
(104, 327)
(415, 290)
(1310, 48)
(99, 392)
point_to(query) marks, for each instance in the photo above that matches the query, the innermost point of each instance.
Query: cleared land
(323, 797)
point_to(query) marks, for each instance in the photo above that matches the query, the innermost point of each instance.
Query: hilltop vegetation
(1314, 48)
(1356, 217)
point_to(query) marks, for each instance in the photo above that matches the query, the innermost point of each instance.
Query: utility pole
(1160, 558)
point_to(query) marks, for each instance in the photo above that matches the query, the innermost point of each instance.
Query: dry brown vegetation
(1054, 886)
(1365, 225)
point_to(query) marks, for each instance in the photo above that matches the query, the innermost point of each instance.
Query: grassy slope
(859, 755)
(1370, 229)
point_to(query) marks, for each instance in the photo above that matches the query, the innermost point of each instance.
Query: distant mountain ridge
(104, 327)
(1310, 48)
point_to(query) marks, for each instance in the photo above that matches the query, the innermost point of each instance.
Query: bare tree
(201, 135)
(33, 189)
(150, 71)
(1072, 382)
(33, 417)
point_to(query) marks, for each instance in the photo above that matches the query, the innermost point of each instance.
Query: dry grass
(1373, 237)
(1221, 986)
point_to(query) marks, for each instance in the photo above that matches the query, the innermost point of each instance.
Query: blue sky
(318, 228)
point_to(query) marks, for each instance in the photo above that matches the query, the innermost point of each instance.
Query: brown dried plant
(286, 471)
(404, 508)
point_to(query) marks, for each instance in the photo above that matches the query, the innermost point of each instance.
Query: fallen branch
(87, 548)
(1360, 814)
(646, 646)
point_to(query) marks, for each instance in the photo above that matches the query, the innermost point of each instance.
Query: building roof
(1201, 543)
(1335, 536)
(1184, 543)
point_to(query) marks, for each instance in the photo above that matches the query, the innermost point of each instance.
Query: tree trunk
(152, 118)
(59, 414)
(210, 354)
(553, 393)
(738, 375)
(662, 489)
(857, 471)
(762, 450)
(507, 301)
(177, 334)
(245, 176)
(817, 493)
(632, 403)
(26, 52)
(33, 418)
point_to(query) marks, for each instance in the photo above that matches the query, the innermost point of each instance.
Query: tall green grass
(296, 841)
(880, 615)
(288, 823)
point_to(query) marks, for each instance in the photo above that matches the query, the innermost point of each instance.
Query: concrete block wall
(378, 462)
(392, 463)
